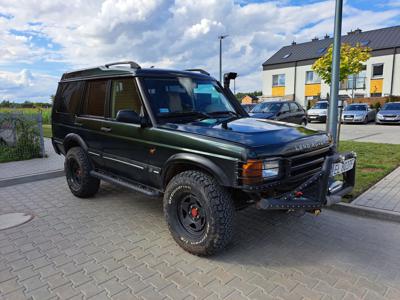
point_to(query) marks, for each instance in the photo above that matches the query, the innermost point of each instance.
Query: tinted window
(320, 105)
(95, 98)
(69, 97)
(294, 107)
(266, 107)
(391, 106)
(356, 107)
(124, 95)
(285, 107)
(377, 70)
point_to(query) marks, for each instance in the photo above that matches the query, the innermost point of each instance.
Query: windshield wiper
(180, 113)
(224, 112)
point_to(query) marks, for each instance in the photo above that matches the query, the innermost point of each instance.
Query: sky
(41, 39)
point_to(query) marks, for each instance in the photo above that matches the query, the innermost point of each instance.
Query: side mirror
(129, 116)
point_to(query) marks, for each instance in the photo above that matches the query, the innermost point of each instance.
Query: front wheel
(199, 213)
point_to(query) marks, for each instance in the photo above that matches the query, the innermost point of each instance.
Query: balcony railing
(357, 83)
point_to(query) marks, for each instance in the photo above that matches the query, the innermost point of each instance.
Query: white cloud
(174, 34)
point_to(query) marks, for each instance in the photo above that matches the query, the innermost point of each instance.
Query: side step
(130, 185)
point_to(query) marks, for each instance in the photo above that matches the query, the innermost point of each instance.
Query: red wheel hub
(194, 212)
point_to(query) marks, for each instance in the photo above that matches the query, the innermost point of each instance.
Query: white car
(318, 112)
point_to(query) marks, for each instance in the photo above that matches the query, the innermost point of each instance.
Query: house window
(377, 70)
(312, 77)
(278, 80)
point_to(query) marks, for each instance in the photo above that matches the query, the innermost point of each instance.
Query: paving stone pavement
(385, 195)
(15, 169)
(117, 246)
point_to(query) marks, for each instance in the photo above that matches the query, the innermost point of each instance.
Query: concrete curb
(364, 211)
(30, 178)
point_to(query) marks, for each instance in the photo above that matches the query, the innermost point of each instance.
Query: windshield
(184, 99)
(320, 105)
(266, 107)
(356, 107)
(391, 106)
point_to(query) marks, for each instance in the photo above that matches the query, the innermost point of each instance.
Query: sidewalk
(33, 169)
(381, 201)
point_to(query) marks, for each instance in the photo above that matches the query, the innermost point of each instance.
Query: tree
(351, 62)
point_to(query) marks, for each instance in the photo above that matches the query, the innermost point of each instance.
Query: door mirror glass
(128, 116)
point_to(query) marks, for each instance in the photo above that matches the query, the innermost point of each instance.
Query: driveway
(366, 133)
(116, 245)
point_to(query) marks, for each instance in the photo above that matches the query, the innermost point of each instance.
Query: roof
(377, 39)
(114, 71)
(251, 96)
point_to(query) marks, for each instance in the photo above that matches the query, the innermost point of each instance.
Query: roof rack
(198, 70)
(132, 64)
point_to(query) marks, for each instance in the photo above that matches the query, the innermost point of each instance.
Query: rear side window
(95, 98)
(69, 97)
(124, 96)
(294, 107)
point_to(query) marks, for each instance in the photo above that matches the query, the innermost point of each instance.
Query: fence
(21, 136)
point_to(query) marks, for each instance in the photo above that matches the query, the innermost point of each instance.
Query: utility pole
(221, 37)
(332, 127)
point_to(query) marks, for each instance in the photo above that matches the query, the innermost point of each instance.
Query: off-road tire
(216, 204)
(87, 186)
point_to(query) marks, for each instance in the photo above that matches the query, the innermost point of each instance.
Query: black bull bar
(326, 190)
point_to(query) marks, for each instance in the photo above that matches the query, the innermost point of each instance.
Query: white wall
(387, 60)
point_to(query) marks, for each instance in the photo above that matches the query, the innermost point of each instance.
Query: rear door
(296, 113)
(125, 151)
(284, 114)
(89, 121)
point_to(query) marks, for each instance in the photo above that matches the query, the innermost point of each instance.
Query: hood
(389, 112)
(260, 115)
(263, 137)
(355, 113)
(317, 111)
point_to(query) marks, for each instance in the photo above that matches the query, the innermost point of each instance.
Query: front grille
(307, 164)
(349, 117)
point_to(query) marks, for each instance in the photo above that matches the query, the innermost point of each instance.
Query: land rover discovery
(184, 136)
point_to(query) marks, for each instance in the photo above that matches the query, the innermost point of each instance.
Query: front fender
(198, 161)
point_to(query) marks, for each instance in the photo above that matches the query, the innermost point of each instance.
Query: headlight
(322, 113)
(359, 117)
(379, 116)
(255, 171)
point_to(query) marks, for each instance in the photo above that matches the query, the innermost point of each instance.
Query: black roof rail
(198, 70)
(132, 64)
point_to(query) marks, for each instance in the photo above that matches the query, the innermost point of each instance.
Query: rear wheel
(199, 213)
(77, 168)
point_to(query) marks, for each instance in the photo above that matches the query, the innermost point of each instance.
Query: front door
(284, 114)
(124, 150)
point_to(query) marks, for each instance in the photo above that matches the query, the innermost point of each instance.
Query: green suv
(184, 136)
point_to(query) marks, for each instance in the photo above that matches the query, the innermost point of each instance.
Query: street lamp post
(332, 127)
(221, 37)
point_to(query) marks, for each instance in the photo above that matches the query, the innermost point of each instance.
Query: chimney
(293, 43)
(326, 36)
(350, 32)
(358, 30)
(315, 39)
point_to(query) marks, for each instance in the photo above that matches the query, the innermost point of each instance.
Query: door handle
(105, 129)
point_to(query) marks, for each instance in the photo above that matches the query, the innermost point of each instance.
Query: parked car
(248, 107)
(184, 136)
(358, 113)
(390, 113)
(285, 111)
(318, 112)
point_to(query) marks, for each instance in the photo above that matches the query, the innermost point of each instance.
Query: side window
(95, 98)
(285, 108)
(68, 98)
(294, 107)
(124, 95)
(377, 70)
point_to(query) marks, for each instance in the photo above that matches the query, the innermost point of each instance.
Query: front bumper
(318, 118)
(318, 191)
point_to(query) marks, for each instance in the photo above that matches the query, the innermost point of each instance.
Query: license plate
(389, 119)
(313, 117)
(342, 167)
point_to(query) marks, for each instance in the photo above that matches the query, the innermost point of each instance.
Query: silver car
(358, 113)
(390, 113)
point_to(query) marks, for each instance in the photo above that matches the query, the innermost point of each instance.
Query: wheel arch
(74, 140)
(187, 161)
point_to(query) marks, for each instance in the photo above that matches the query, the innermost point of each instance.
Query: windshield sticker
(164, 110)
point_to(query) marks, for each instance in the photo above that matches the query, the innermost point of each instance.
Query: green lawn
(374, 161)
(47, 130)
